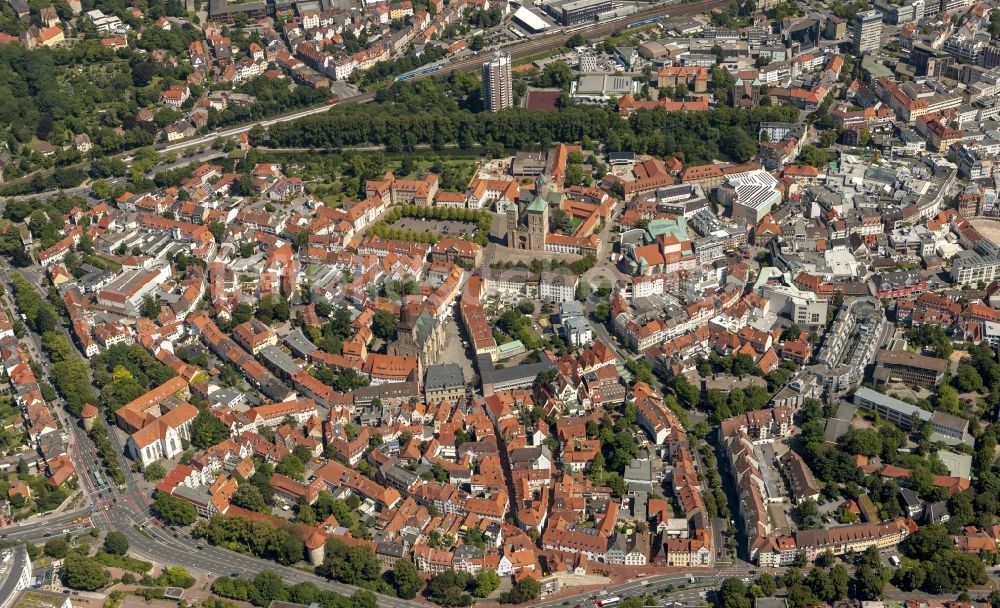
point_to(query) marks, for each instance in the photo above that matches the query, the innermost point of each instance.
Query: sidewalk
(63, 509)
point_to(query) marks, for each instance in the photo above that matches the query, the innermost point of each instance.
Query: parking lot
(442, 227)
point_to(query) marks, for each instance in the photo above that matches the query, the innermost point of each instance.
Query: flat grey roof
(225, 395)
(572, 5)
(277, 357)
(576, 324)
(834, 429)
(891, 403)
(950, 421)
(297, 341)
(222, 7)
(491, 375)
(846, 411)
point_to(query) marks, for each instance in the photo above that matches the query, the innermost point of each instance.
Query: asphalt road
(37, 531)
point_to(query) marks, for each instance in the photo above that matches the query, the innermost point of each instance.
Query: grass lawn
(532, 58)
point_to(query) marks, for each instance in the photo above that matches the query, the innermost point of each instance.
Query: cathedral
(528, 225)
(418, 335)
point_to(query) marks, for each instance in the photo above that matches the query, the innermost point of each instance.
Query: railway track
(558, 39)
(475, 62)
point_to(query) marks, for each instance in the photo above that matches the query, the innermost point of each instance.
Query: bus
(608, 601)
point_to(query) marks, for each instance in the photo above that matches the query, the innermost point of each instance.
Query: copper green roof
(538, 205)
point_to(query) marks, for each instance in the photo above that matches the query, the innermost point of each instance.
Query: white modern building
(867, 32)
(751, 195)
(498, 92)
(557, 286)
(577, 330)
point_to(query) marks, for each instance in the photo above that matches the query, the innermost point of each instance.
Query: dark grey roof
(443, 377)
(400, 476)
(386, 391)
(639, 471)
(950, 421)
(834, 429)
(222, 7)
(576, 324)
(275, 389)
(298, 342)
(465, 552)
(278, 359)
(390, 549)
(491, 375)
(936, 511)
(909, 497)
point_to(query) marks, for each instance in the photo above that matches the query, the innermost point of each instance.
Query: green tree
(384, 325)
(791, 332)
(351, 565)
(736, 143)
(150, 307)
(947, 399)
(115, 543)
(56, 547)
(688, 394)
(450, 588)
(249, 497)
(101, 189)
(865, 442)
(909, 578)
(841, 580)
(601, 313)
(242, 313)
(868, 582)
(207, 430)
(176, 576)
(967, 379)
(406, 579)
(526, 589)
(218, 230)
(744, 365)
(556, 74)
(961, 508)
(173, 510)
(154, 472)
(767, 584)
(733, 594)
(291, 466)
(487, 581)
(951, 571)
(84, 573)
